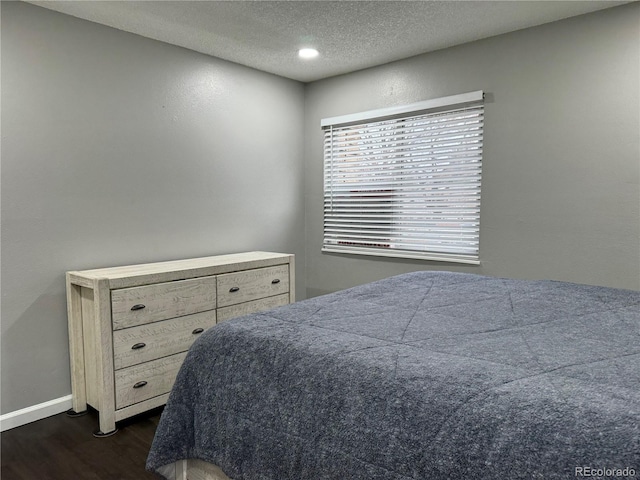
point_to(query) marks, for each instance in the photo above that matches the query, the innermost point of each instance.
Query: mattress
(426, 375)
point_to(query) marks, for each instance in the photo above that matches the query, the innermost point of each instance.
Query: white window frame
(371, 206)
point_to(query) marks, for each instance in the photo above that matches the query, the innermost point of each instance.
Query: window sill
(436, 257)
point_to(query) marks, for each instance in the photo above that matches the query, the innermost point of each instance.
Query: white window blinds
(406, 186)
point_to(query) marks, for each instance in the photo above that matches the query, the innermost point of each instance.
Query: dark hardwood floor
(63, 448)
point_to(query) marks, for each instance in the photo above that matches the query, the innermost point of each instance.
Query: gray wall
(561, 169)
(117, 149)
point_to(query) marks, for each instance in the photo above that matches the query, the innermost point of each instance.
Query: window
(405, 181)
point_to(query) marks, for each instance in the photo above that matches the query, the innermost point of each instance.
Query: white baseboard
(35, 412)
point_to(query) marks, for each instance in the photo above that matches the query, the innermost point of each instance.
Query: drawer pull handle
(138, 346)
(138, 307)
(197, 331)
(140, 384)
(234, 289)
(277, 280)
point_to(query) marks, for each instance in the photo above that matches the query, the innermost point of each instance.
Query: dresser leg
(103, 343)
(107, 424)
(76, 348)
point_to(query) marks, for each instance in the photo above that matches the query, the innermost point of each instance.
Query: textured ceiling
(350, 35)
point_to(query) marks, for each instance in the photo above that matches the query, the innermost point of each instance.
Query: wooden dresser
(130, 327)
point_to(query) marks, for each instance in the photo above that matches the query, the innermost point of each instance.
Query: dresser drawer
(254, 306)
(143, 343)
(151, 303)
(147, 380)
(239, 287)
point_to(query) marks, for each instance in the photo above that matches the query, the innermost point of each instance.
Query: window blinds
(406, 186)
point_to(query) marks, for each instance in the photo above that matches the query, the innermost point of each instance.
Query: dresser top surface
(217, 264)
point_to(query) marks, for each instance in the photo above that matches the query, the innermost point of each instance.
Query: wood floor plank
(63, 448)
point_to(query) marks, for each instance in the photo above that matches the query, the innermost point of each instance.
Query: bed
(421, 376)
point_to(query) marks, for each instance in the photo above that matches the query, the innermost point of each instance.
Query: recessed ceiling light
(307, 53)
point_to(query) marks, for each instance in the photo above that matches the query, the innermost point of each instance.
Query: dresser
(130, 327)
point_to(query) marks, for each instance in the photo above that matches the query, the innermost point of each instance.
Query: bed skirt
(193, 469)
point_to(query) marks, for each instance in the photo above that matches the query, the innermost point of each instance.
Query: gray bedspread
(427, 375)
